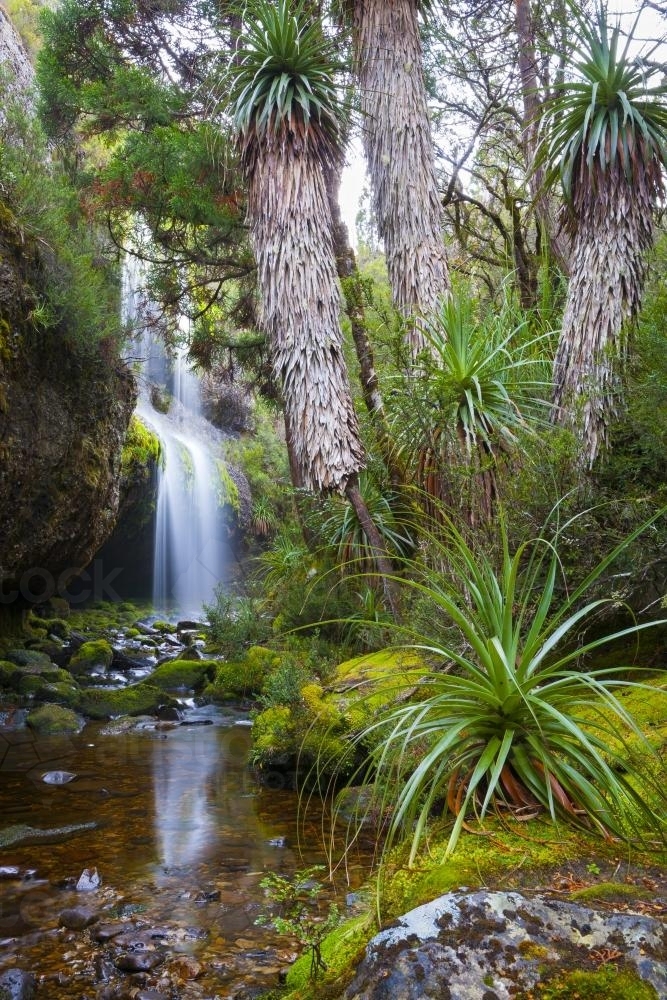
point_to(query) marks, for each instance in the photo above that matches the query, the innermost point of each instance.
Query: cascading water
(190, 555)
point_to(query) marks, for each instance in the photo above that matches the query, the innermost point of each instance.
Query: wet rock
(462, 940)
(104, 970)
(208, 896)
(21, 834)
(277, 842)
(107, 932)
(186, 967)
(77, 918)
(10, 872)
(140, 961)
(15, 984)
(190, 626)
(169, 713)
(89, 880)
(192, 653)
(58, 777)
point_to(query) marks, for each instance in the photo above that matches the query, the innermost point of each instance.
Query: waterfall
(190, 555)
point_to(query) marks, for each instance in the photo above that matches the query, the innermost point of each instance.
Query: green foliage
(77, 297)
(292, 911)
(509, 721)
(236, 623)
(243, 677)
(285, 71)
(337, 526)
(607, 113)
(262, 457)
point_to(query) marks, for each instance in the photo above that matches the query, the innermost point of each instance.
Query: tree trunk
(614, 216)
(380, 557)
(291, 235)
(558, 241)
(399, 153)
(353, 294)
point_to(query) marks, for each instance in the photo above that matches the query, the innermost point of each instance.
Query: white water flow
(190, 553)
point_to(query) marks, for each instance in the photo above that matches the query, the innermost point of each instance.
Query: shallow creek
(184, 834)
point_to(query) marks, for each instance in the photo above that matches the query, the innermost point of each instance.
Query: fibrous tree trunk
(400, 156)
(300, 304)
(614, 228)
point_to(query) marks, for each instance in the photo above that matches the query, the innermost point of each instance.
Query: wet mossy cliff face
(64, 411)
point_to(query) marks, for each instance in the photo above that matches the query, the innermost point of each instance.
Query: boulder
(494, 945)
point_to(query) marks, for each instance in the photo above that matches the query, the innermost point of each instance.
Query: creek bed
(184, 835)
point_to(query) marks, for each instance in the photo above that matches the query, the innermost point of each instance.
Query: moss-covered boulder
(138, 699)
(8, 672)
(51, 719)
(28, 659)
(57, 627)
(179, 674)
(95, 656)
(309, 735)
(242, 678)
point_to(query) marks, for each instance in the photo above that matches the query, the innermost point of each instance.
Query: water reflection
(184, 835)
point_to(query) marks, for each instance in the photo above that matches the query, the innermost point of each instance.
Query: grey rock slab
(15, 984)
(474, 946)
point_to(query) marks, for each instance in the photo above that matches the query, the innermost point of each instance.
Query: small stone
(9, 871)
(208, 896)
(107, 932)
(77, 918)
(142, 961)
(88, 880)
(58, 777)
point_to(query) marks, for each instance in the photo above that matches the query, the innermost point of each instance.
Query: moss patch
(138, 699)
(605, 984)
(91, 655)
(611, 892)
(190, 674)
(53, 719)
(242, 678)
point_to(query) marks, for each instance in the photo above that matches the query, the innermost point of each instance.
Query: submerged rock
(77, 918)
(469, 946)
(58, 777)
(20, 834)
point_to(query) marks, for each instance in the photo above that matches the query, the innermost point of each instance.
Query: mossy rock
(274, 738)
(91, 655)
(51, 719)
(132, 633)
(138, 699)
(31, 658)
(166, 628)
(9, 672)
(190, 674)
(242, 678)
(53, 626)
(36, 688)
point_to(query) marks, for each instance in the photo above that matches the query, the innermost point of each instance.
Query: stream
(183, 835)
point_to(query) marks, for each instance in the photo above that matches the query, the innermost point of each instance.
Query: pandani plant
(512, 720)
(604, 138)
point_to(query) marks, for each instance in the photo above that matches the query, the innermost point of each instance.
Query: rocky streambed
(132, 847)
(130, 861)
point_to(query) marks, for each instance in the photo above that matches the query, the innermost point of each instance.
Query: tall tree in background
(400, 156)
(608, 144)
(285, 110)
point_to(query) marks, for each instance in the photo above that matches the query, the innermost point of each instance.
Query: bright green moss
(191, 674)
(141, 450)
(96, 653)
(138, 699)
(611, 892)
(52, 719)
(607, 983)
